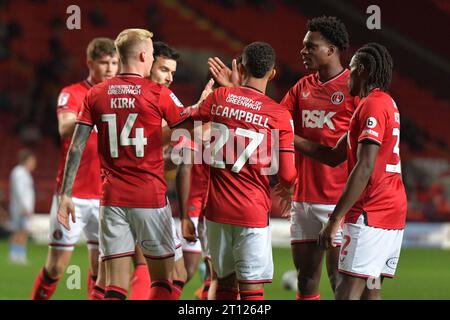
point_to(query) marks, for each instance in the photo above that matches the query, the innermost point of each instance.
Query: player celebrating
(163, 72)
(103, 63)
(237, 210)
(321, 108)
(374, 198)
(128, 110)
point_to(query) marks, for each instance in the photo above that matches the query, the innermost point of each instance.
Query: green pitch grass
(421, 274)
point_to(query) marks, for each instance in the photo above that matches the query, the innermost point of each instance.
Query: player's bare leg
(117, 278)
(140, 280)
(57, 262)
(161, 274)
(350, 288)
(211, 294)
(373, 293)
(179, 278)
(47, 280)
(93, 269)
(191, 263)
(98, 293)
(332, 263)
(226, 288)
(308, 262)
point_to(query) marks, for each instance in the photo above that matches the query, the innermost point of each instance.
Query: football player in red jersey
(163, 72)
(103, 63)
(128, 110)
(321, 107)
(244, 121)
(373, 203)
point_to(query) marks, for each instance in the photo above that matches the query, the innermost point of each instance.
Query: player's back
(127, 111)
(377, 118)
(243, 120)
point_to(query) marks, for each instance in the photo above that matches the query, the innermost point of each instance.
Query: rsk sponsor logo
(317, 119)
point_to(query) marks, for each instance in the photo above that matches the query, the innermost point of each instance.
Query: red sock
(308, 297)
(44, 286)
(205, 290)
(161, 290)
(98, 293)
(224, 293)
(140, 283)
(177, 289)
(115, 293)
(91, 283)
(252, 294)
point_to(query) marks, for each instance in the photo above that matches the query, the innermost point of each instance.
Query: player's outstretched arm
(331, 156)
(66, 207)
(356, 183)
(287, 175)
(222, 74)
(205, 93)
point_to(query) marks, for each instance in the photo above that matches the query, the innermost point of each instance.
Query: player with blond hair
(128, 110)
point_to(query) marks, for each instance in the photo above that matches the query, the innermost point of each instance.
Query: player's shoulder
(306, 79)
(73, 94)
(76, 88)
(378, 99)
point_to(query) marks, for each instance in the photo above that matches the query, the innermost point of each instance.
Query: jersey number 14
(139, 141)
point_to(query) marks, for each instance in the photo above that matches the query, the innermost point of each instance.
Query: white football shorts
(86, 220)
(122, 227)
(369, 252)
(241, 250)
(308, 219)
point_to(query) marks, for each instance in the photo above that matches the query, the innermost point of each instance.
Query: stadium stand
(38, 58)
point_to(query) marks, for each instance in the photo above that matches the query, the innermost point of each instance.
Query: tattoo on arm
(79, 139)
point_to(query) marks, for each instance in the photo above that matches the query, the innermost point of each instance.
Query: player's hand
(66, 209)
(188, 229)
(285, 196)
(328, 234)
(206, 92)
(223, 75)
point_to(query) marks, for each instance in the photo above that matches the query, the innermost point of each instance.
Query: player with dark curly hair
(374, 200)
(321, 107)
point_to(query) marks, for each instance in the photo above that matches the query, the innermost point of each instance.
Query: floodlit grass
(421, 274)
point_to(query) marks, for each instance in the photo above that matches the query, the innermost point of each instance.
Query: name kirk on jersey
(122, 103)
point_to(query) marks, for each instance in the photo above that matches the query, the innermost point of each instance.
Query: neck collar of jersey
(331, 79)
(88, 83)
(250, 87)
(129, 74)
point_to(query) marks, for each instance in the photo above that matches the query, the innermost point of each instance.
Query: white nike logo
(305, 94)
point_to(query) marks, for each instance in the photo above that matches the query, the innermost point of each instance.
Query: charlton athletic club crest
(337, 97)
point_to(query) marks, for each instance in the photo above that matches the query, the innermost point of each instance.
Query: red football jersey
(321, 113)
(87, 183)
(198, 190)
(243, 120)
(383, 202)
(127, 111)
